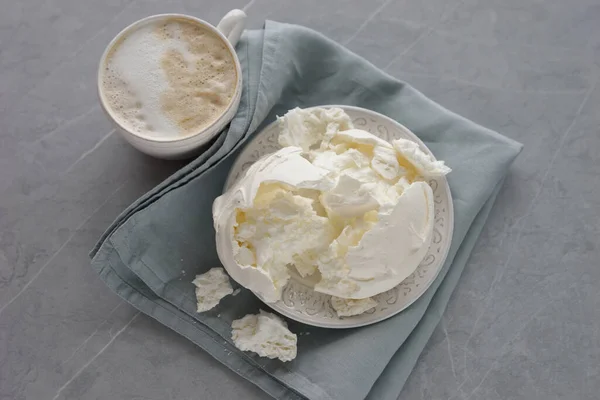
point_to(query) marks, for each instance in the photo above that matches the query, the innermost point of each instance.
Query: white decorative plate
(299, 301)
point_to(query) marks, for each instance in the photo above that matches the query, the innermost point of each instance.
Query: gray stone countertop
(524, 322)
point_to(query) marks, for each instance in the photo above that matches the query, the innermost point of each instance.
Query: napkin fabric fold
(154, 249)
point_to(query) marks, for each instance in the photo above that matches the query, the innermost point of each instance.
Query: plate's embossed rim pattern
(301, 302)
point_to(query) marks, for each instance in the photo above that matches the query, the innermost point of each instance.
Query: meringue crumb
(211, 287)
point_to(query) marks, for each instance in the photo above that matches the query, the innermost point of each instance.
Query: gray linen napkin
(151, 253)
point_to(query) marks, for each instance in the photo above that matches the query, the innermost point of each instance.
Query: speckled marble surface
(524, 322)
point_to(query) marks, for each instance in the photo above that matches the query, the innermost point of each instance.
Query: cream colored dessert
(266, 335)
(351, 307)
(211, 287)
(337, 204)
(169, 79)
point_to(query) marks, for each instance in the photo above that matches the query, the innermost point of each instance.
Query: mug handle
(232, 25)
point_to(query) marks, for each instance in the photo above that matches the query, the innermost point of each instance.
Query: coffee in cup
(169, 78)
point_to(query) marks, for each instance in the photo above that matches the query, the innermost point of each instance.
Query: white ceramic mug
(229, 29)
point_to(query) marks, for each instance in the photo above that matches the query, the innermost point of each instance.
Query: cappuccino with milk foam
(169, 79)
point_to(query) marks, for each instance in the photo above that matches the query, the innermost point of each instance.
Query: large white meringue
(337, 203)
